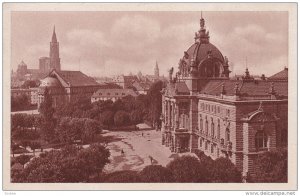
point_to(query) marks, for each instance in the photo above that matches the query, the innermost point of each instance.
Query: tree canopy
(187, 169)
(48, 122)
(270, 166)
(156, 173)
(70, 164)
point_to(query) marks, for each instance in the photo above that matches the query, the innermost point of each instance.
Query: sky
(112, 43)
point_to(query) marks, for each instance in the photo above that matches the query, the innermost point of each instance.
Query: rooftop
(113, 93)
(282, 75)
(76, 78)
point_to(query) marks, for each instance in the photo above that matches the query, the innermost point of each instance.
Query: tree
(136, 116)
(156, 173)
(23, 159)
(20, 102)
(121, 118)
(95, 158)
(225, 171)
(187, 169)
(34, 146)
(220, 170)
(107, 118)
(270, 166)
(14, 147)
(25, 143)
(48, 121)
(30, 84)
(70, 164)
(91, 128)
(18, 121)
(207, 162)
(125, 176)
(155, 99)
(65, 131)
(118, 105)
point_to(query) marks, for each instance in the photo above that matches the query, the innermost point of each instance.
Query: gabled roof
(141, 86)
(75, 78)
(179, 88)
(282, 75)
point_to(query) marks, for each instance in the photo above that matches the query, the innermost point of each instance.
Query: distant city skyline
(133, 41)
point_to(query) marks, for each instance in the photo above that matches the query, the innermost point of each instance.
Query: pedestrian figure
(151, 159)
(122, 152)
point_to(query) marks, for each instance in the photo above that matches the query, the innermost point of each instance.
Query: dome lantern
(202, 36)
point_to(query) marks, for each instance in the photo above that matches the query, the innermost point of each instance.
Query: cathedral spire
(54, 52)
(54, 35)
(156, 70)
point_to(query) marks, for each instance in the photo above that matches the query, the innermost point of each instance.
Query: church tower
(54, 52)
(156, 71)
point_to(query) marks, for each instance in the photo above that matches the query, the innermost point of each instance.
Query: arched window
(227, 136)
(212, 128)
(261, 139)
(206, 127)
(218, 129)
(200, 142)
(201, 124)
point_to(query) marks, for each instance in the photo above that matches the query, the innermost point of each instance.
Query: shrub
(271, 166)
(156, 173)
(121, 118)
(187, 169)
(125, 176)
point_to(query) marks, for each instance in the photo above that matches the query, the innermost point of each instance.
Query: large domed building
(63, 86)
(202, 108)
(67, 86)
(203, 57)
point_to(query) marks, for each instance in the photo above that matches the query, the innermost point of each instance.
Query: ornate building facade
(236, 118)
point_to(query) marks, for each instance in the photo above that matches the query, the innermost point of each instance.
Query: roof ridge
(217, 86)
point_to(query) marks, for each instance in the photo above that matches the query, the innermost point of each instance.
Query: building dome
(200, 51)
(50, 82)
(203, 59)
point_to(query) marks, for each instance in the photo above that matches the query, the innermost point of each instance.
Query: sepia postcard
(150, 96)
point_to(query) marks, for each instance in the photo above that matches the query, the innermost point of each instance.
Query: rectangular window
(228, 112)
